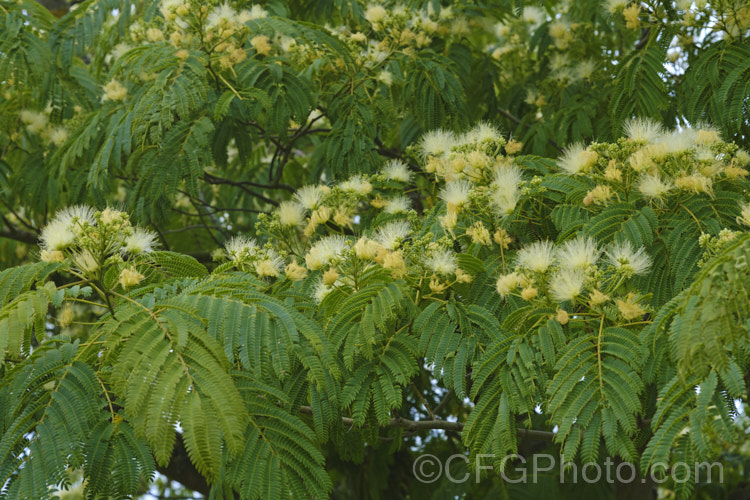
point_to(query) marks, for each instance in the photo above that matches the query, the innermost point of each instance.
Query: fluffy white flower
(396, 170)
(456, 193)
(643, 130)
(653, 187)
(481, 133)
(358, 184)
(442, 262)
(385, 77)
(567, 284)
(504, 190)
(223, 13)
(321, 290)
(114, 91)
(577, 159)
(35, 121)
(309, 197)
(240, 248)
(375, 13)
(325, 251)
(255, 12)
(538, 256)
(392, 234)
(579, 253)
(436, 143)
(623, 257)
(534, 16)
(398, 205)
(57, 235)
(677, 142)
(58, 136)
(141, 241)
(291, 213)
(75, 217)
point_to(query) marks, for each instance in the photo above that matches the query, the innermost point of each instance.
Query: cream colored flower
(506, 284)
(578, 253)
(295, 272)
(567, 284)
(744, 217)
(537, 257)
(291, 214)
(114, 91)
(576, 159)
(394, 262)
(442, 262)
(141, 241)
(653, 187)
(325, 251)
(130, 277)
(396, 170)
(52, 256)
(392, 234)
(624, 258)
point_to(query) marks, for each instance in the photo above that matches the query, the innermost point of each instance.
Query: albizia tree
(269, 258)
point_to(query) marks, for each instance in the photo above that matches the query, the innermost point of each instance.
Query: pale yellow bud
(394, 262)
(66, 316)
(436, 286)
(502, 238)
(529, 293)
(52, 256)
(597, 298)
(463, 277)
(295, 272)
(330, 277)
(130, 277)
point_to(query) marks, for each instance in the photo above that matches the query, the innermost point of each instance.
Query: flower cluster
(655, 163)
(577, 272)
(89, 241)
(246, 254)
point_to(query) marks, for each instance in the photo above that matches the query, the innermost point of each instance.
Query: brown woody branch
(420, 425)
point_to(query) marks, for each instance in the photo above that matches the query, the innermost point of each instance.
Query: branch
(182, 470)
(420, 425)
(14, 233)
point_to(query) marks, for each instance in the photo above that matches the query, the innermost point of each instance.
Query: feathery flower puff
(309, 196)
(324, 251)
(442, 262)
(504, 190)
(579, 253)
(537, 257)
(436, 143)
(576, 159)
(291, 214)
(456, 194)
(567, 284)
(67, 224)
(627, 260)
(393, 234)
(396, 170)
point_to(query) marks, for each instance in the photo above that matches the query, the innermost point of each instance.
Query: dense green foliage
(404, 281)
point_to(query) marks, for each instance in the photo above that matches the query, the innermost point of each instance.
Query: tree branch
(182, 470)
(420, 425)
